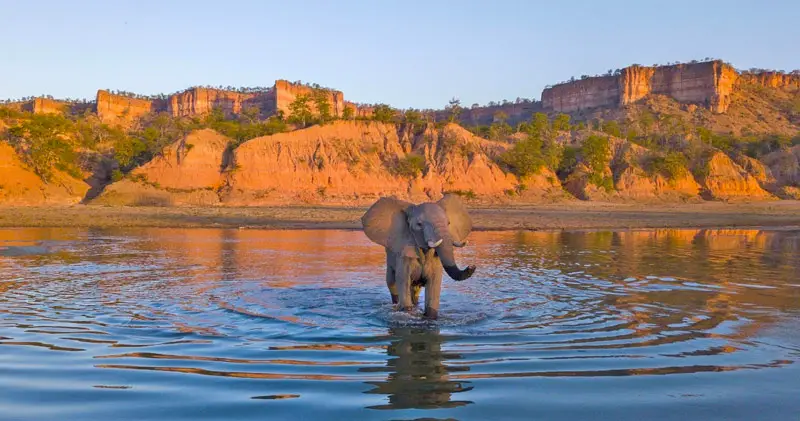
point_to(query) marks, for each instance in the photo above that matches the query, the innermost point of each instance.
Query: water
(194, 324)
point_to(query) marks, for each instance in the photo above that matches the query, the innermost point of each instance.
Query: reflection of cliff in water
(418, 376)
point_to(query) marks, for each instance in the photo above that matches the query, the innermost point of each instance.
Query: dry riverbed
(571, 215)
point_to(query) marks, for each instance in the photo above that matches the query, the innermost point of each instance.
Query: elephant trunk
(445, 252)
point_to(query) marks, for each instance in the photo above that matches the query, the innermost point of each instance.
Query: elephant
(419, 242)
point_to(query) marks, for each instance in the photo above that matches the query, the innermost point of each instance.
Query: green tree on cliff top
(300, 111)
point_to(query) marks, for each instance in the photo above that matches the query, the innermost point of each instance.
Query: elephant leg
(402, 282)
(415, 290)
(433, 288)
(390, 283)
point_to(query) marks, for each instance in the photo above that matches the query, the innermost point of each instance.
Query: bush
(569, 158)
(467, 194)
(671, 166)
(410, 166)
(117, 175)
(44, 144)
(604, 182)
(525, 157)
(596, 152)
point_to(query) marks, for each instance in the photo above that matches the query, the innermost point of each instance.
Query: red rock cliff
(710, 83)
(119, 109)
(772, 80)
(201, 101)
(286, 92)
(48, 106)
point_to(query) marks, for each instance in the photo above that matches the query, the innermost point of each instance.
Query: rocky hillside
(338, 163)
(355, 162)
(690, 132)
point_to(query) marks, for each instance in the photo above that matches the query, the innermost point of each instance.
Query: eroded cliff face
(725, 180)
(338, 163)
(772, 80)
(201, 101)
(286, 92)
(19, 186)
(47, 106)
(187, 172)
(119, 109)
(358, 161)
(710, 83)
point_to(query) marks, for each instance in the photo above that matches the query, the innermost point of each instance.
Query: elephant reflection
(418, 377)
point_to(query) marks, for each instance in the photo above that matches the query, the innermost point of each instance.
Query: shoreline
(557, 216)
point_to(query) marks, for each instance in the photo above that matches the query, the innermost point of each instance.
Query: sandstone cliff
(286, 92)
(723, 179)
(357, 161)
(201, 101)
(48, 106)
(21, 186)
(339, 163)
(710, 83)
(120, 109)
(188, 172)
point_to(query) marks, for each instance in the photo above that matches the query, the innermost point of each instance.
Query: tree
(383, 113)
(561, 122)
(500, 117)
(300, 112)
(348, 113)
(323, 105)
(596, 151)
(413, 117)
(42, 143)
(525, 157)
(454, 109)
(612, 127)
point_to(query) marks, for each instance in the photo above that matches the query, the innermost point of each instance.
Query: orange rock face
(286, 92)
(119, 109)
(48, 106)
(352, 161)
(201, 101)
(728, 181)
(710, 83)
(772, 80)
(21, 186)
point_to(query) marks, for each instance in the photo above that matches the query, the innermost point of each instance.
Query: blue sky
(406, 53)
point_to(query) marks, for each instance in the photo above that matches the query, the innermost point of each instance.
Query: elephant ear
(460, 222)
(385, 223)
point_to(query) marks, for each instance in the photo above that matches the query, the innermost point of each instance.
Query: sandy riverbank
(573, 215)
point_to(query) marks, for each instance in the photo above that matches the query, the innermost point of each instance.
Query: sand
(572, 215)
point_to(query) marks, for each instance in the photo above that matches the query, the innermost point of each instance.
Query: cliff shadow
(100, 177)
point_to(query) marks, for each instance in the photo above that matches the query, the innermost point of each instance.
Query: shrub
(43, 144)
(468, 194)
(411, 165)
(117, 175)
(525, 157)
(596, 152)
(671, 166)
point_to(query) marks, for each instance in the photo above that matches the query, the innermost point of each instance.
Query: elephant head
(403, 227)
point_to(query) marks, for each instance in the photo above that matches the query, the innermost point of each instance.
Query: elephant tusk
(461, 244)
(431, 244)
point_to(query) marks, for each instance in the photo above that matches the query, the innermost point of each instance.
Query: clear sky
(406, 53)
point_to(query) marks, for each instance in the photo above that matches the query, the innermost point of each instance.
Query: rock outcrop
(21, 186)
(286, 92)
(359, 161)
(120, 109)
(725, 180)
(47, 106)
(188, 172)
(710, 83)
(201, 101)
(771, 80)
